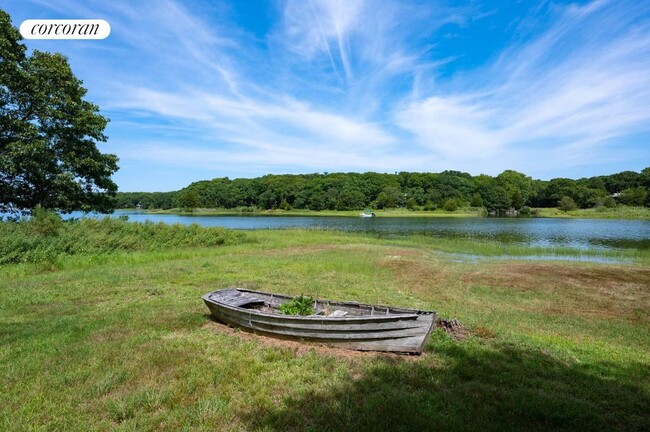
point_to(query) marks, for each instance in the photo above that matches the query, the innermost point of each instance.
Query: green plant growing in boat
(301, 305)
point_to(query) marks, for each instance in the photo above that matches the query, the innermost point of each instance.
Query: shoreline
(622, 213)
(312, 213)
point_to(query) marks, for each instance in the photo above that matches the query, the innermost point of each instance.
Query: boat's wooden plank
(333, 325)
(397, 325)
(324, 332)
(406, 345)
(352, 335)
(316, 327)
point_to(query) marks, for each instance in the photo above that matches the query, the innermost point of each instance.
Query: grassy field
(120, 340)
(619, 212)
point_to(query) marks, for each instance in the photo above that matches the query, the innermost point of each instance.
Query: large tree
(48, 133)
(519, 187)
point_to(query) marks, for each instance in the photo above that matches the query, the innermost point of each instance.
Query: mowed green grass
(123, 341)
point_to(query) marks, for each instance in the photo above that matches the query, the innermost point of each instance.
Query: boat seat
(236, 298)
(245, 301)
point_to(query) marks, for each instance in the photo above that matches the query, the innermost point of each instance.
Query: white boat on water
(367, 214)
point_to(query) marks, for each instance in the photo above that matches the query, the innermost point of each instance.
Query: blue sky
(203, 89)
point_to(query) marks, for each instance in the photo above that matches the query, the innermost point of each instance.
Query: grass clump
(45, 237)
(301, 305)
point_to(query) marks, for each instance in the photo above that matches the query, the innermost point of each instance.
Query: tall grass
(618, 212)
(46, 237)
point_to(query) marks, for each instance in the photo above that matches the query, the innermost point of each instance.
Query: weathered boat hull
(367, 328)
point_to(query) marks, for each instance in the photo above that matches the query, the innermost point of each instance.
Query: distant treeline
(447, 190)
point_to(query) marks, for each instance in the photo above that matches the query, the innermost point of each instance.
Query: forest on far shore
(448, 190)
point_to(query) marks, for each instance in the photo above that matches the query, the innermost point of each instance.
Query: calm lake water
(580, 233)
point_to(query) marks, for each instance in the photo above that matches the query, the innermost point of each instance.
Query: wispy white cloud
(582, 83)
(226, 116)
(367, 85)
(297, 161)
(313, 27)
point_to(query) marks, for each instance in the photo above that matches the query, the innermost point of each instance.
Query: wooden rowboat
(340, 324)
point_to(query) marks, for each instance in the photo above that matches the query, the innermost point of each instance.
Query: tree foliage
(347, 191)
(566, 204)
(48, 133)
(634, 196)
(189, 199)
(518, 186)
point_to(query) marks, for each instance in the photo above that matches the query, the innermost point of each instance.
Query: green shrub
(411, 204)
(567, 204)
(46, 223)
(609, 202)
(284, 205)
(300, 305)
(452, 204)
